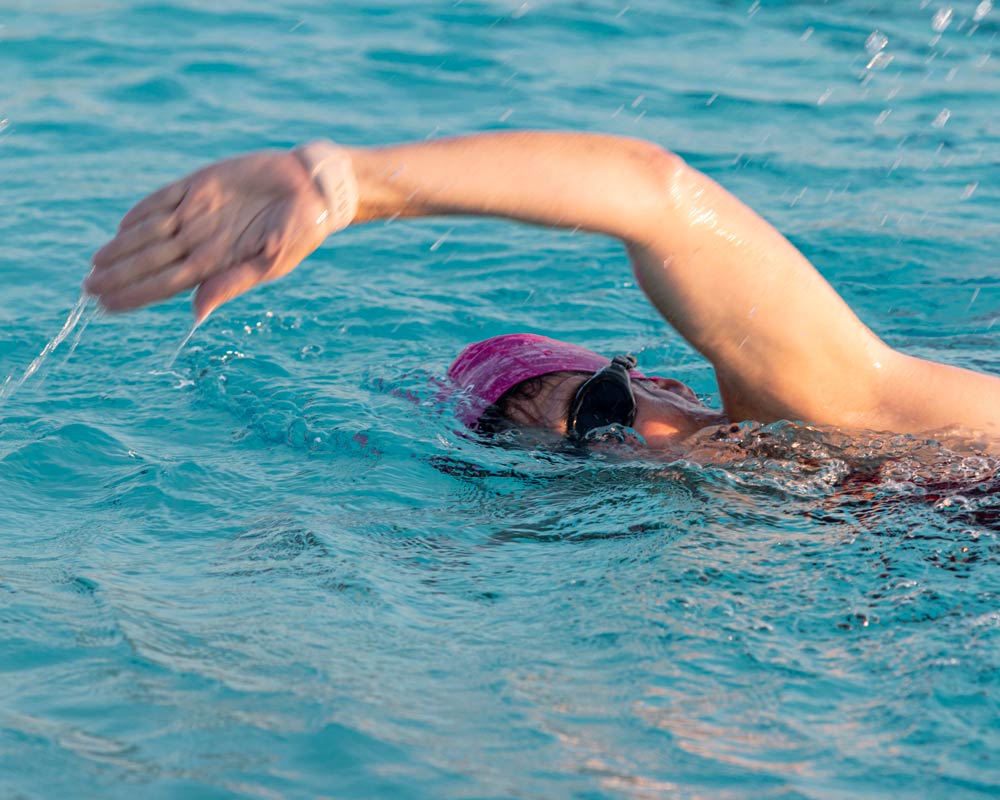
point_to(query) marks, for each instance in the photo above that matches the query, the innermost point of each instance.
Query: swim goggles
(604, 399)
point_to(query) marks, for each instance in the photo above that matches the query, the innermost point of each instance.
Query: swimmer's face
(667, 411)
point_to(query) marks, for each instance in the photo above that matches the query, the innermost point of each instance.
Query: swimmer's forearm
(596, 183)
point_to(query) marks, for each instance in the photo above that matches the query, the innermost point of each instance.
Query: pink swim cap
(486, 370)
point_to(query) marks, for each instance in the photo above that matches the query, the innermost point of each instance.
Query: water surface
(278, 569)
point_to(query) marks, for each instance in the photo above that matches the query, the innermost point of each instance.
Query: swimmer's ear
(670, 385)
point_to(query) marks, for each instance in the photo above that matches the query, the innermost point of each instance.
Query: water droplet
(520, 11)
(881, 118)
(879, 61)
(970, 190)
(441, 240)
(942, 119)
(806, 34)
(982, 10)
(711, 99)
(942, 19)
(824, 97)
(876, 42)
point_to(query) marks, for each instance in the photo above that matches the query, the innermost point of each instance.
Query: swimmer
(783, 343)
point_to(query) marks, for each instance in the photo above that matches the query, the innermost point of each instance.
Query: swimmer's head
(529, 380)
(488, 371)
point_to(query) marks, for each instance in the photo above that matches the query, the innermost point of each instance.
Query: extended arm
(783, 343)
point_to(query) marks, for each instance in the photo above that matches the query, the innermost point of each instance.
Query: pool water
(277, 568)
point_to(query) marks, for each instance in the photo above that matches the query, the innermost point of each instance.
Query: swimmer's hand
(225, 228)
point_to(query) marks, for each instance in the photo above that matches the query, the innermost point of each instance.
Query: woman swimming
(783, 343)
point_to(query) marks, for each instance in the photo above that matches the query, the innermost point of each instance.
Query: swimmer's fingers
(276, 241)
(226, 285)
(163, 201)
(183, 274)
(134, 268)
(155, 228)
(148, 247)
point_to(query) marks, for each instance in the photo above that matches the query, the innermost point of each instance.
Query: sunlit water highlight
(277, 568)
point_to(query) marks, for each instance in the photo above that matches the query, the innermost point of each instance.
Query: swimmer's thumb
(225, 286)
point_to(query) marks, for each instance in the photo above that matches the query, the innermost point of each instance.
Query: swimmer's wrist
(332, 171)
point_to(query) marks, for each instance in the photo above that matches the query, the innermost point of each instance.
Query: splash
(76, 313)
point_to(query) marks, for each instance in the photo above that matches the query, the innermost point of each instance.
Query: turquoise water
(277, 569)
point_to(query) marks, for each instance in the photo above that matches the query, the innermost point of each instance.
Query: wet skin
(667, 411)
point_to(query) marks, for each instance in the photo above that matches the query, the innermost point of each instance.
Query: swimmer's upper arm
(783, 343)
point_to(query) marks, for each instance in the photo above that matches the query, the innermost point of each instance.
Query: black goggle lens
(605, 399)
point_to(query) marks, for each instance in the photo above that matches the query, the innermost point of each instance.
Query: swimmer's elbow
(652, 195)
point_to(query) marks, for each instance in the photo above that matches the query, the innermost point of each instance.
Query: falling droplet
(876, 42)
(942, 19)
(879, 61)
(875, 46)
(942, 119)
(441, 240)
(982, 10)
